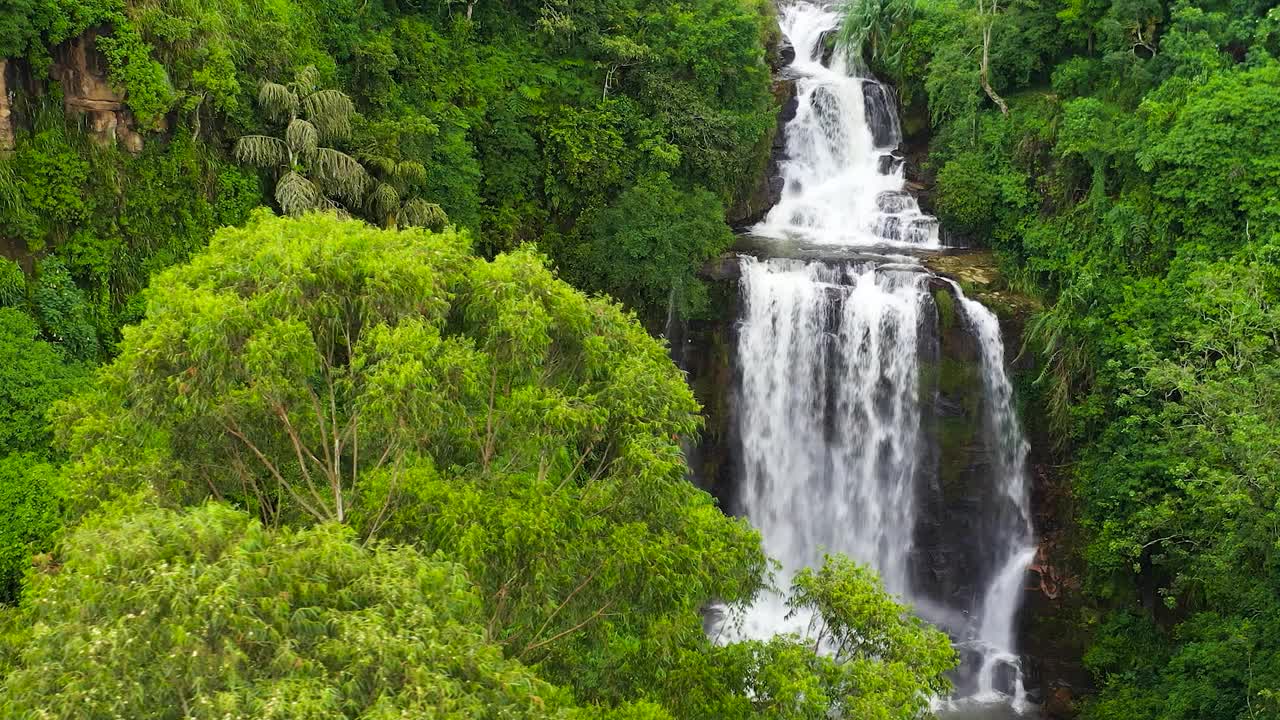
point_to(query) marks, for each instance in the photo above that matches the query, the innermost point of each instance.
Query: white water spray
(1014, 542)
(829, 418)
(842, 183)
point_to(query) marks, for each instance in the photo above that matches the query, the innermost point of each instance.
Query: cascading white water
(1013, 544)
(842, 184)
(830, 412)
(831, 435)
(829, 418)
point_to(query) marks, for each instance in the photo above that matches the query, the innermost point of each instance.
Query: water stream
(832, 411)
(843, 182)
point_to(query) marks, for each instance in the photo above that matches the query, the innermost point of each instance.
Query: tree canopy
(318, 371)
(208, 614)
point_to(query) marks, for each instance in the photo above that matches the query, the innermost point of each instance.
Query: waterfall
(1013, 544)
(829, 417)
(831, 412)
(842, 182)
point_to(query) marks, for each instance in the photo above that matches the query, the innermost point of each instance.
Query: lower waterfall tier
(873, 417)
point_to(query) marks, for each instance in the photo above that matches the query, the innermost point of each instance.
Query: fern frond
(262, 151)
(331, 111)
(420, 213)
(277, 101)
(297, 195)
(339, 173)
(303, 138)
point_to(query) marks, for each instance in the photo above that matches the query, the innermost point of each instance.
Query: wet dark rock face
(956, 468)
(705, 350)
(767, 187)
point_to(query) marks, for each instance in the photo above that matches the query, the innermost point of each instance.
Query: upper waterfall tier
(843, 183)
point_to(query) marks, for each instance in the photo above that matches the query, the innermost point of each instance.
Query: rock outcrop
(767, 190)
(82, 71)
(6, 109)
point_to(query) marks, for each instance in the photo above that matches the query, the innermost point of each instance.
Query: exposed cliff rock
(1052, 626)
(6, 109)
(706, 350)
(82, 71)
(978, 273)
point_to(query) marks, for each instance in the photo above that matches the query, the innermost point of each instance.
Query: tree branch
(573, 629)
(275, 473)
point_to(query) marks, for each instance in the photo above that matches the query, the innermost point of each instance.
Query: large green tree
(321, 371)
(155, 614)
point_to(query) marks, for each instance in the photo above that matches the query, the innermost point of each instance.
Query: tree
(647, 247)
(156, 614)
(33, 374)
(308, 176)
(863, 656)
(30, 501)
(317, 370)
(893, 661)
(393, 203)
(987, 12)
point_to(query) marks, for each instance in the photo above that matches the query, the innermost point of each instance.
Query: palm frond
(339, 173)
(262, 151)
(307, 80)
(410, 172)
(380, 165)
(303, 138)
(277, 101)
(420, 213)
(331, 111)
(297, 195)
(383, 201)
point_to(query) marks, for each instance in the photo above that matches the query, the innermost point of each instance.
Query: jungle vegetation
(512, 123)
(346, 471)
(1122, 158)
(390, 459)
(376, 458)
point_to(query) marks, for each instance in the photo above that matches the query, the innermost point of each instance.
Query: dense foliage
(349, 387)
(512, 120)
(33, 374)
(206, 614)
(1132, 183)
(331, 470)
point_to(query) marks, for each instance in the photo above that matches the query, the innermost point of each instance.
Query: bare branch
(573, 629)
(275, 473)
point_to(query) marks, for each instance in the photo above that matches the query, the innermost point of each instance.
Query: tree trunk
(985, 72)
